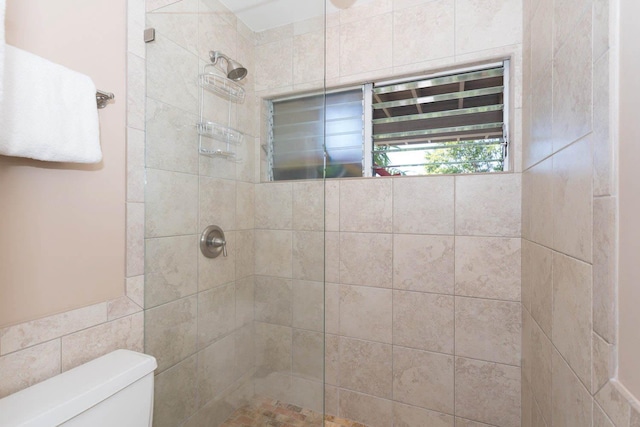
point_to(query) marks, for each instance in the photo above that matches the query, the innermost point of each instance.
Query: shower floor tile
(263, 412)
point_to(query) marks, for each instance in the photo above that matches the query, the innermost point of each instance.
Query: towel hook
(102, 98)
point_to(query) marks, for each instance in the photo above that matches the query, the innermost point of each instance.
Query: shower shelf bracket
(220, 132)
(222, 86)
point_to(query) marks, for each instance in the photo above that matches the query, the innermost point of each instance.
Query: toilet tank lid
(64, 396)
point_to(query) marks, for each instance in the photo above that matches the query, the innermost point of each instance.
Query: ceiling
(260, 15)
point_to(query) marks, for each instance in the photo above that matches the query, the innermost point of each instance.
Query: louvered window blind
(446, 124)
(453, 123)
(305, 132)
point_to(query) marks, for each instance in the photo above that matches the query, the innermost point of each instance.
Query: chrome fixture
(235, 71)
(213, 242)
(102, 98)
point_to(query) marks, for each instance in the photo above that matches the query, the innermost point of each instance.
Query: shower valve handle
(212, 242)
(217, 242)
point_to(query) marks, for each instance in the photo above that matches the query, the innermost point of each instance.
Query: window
(451, 123)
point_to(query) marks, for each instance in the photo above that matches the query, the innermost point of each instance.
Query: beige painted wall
(629, 205)
(62, 226)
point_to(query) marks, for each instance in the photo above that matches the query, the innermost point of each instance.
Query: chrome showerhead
(235, 70)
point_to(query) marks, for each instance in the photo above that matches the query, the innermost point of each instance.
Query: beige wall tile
(366, 44)
(309, 205)
(180, 28)
(539, 196)
(423, 205)
(27, 367)
(365, 10)
(218, 27)
(244, 341)
(600, 419)
(488, 205)
(135, 239)
(274, 205)
(273, 300)
(537, 272)
(359, 265)
(569, 13)
(604, 170)
(365, 313)
(135, 289)
(331, 400)
(216, 314)
(461, 422)
(308, 354)
(527, 345)
(488, 329)
(245, 289)
(604, 267)
(366, 367)
(332, 308)
(332, 205)
(541, 132)
(273, 252)
(171, 269)
(423, 263)
(571, 400)
(332, 359)
(27, 334)
(136, 89)
(542, 350)
(217, 271)
(308, 57)
(308, 255)
(485, 24)
(273, 349)
(308, 305)
(527, 404)
(573, 201)
(217, 201)
(245, 205)
(171, 138)
(121, 307)
(171, 203)
(369, 410)
(135, 27)
(635, 416)
(307, 393)
(409, 416)
(175, 394)
(423, 321)
(488, 392)
(276, 64)
(488, 267)
(407, 48)
(86, 345)
(216, 369)
(614, 403)
(366, 205)
(572, 76)
(170, 331)
(541, 40)
(245, 253)
(572, 314)
(332, 256)
(603, 362)
(135, 165)
(170, 71)
(423, 379)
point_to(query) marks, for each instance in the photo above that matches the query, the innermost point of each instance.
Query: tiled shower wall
(422, 298)
(569, 216)
(422, 274)
(198, 311)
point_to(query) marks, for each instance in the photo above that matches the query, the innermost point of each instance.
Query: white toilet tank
(115, 390)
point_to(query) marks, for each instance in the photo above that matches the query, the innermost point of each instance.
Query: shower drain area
(265, 412)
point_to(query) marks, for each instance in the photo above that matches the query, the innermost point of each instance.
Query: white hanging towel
(3, 4)
(48, 112)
